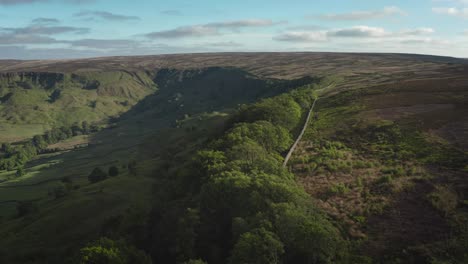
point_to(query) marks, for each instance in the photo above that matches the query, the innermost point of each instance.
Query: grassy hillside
(31, 103)
(389, 164)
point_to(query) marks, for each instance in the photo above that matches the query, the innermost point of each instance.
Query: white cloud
(418, 31)
(211, 29)
(456, 2)
(359, 32)
(364, 15)
(302, 36)
(356, 33)
(451, 11)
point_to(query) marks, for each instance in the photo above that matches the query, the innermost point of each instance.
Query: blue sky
(55, 29)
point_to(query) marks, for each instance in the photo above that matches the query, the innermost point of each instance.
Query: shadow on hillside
(181, 95)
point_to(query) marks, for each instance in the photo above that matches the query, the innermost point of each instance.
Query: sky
(59, 29)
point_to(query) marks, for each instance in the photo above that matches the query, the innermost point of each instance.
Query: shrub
(20, 172)
(97, 175)
(385, 179)
(339, 188)
(444, 199)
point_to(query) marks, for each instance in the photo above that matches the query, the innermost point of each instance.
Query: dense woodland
(235, 203)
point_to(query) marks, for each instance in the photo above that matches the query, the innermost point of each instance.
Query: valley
(199, 140)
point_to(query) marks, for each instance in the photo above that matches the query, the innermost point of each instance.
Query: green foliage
(385, 179)
(270, 137)
(97, 175)
(248, 197)
(307, 236)
(396, 171)
(338, 188)
(186, 233)
(35, 102)
(107, 251)
(394, 143)
(210, 161)
(20, 172)
(7, 148)
(280, 111)
(258, 246)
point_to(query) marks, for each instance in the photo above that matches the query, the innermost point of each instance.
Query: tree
(20, 172)
(281, 110)
(107, 251)
(113, 171)
(76, 129)
(272, 138)
(97, 175)
(85, 128)
(258, 246)
(39, 142)
(308, 237)
(7, 149)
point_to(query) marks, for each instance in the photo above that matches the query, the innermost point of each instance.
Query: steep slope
(33, 102)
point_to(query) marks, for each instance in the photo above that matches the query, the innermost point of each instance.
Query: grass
(375, 152)
(29, 112)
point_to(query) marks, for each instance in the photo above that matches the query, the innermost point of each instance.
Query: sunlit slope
(32, 102)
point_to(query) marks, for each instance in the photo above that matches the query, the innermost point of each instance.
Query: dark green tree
(7, 149)
(85, 127)
(20, 172)
(39, 142)
(257, 247)
(272, 138)
(97, 175)
(107, 251)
